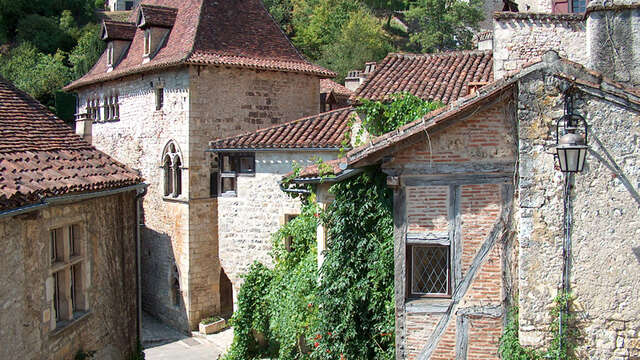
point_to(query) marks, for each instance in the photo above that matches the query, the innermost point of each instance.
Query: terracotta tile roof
(160, 16)
(216, 32)
(325, 130)
(40, 156)
(442, 77)
(328, 85)
(116, 30)
(331, 167)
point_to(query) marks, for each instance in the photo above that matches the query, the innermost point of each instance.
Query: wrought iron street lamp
(571, 147)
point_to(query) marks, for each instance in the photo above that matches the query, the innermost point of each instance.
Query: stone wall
(137, 139)
(247, 221)
(604, 267)
(180, 239)
(520, 38)
(108, 234)
(466, 209)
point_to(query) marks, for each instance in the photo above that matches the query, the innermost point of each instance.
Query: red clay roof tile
(217, 32)
(325, 130)
(160, 16)
(40, 156)
(327, 85)
(435, 77)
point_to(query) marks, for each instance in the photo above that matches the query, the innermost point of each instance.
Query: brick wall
(108, 229)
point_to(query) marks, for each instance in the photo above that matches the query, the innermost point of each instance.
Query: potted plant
(212, 324)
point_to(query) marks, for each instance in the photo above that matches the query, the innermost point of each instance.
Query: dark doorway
(226, 294)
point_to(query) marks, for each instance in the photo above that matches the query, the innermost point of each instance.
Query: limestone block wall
(520, 38)
(606, 247)
(108, 233)
(247, 221)
(468, 211)
(137, 139)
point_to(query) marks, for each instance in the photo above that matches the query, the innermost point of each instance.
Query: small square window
(429, 269)
(231, 166)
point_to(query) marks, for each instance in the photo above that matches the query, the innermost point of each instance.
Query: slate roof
(328, 85)
(117, 30)
(215, 32)
(443, 77)
(40, 156)
(323, 131)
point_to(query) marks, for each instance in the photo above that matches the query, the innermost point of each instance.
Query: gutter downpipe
(138, 203)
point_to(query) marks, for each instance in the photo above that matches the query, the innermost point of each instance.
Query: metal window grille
(430, 270)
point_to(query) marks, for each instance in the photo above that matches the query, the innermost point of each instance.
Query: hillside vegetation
(46, 44)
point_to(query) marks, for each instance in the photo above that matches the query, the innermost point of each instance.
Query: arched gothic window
(172, 169)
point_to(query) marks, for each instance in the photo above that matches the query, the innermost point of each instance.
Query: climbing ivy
(344, 310)
(562, 346)
(381, 117)
(355, 294)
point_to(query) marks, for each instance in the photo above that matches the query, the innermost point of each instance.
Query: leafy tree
(387, 7)
(318, 23)
(38, 74)
(87, 52)
(361, 39)
(44, 33)
(281, 11)
(444, 24)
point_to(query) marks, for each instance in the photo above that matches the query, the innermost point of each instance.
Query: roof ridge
(288, 123)
(444, 53)
(158, 7)
(118, 22)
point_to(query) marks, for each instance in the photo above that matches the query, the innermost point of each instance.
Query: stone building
(122, 5)
(173, 78)
(69, 235)
(479, 205)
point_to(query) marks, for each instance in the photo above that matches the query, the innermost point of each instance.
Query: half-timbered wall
(454, 191)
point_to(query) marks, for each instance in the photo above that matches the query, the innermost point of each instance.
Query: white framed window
(111, 107)
(93, 108)
(172, 170)
(68, 275)
(147, 42)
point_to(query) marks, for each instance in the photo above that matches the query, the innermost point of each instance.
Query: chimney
(83, 126)
(613, 39)
(484, 40)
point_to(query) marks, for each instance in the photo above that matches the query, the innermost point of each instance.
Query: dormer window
(147, 42)
(118, 36)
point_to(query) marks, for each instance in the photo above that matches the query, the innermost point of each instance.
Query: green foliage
(347, 310)
(360, 39)
(356, 311)
(251, 321)
(210, 320)
(99, 4)
(38, 74)
(444, 24)
(562, 346)
(87, 51)
(281, 11)
(510, 348)
(44, 33)
(380, 118)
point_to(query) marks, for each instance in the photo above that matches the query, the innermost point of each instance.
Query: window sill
(228, 194)
(246, 174)
(67, 325)
(427, 305)
(178, 199)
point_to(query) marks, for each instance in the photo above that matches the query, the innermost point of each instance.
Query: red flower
(329, 333)
(318, 337)
(316, 344)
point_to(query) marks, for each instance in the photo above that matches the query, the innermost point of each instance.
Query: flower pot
(213, 327)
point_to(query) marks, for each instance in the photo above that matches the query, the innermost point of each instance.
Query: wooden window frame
(409, 272)
(69, 278)
(237, 170)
